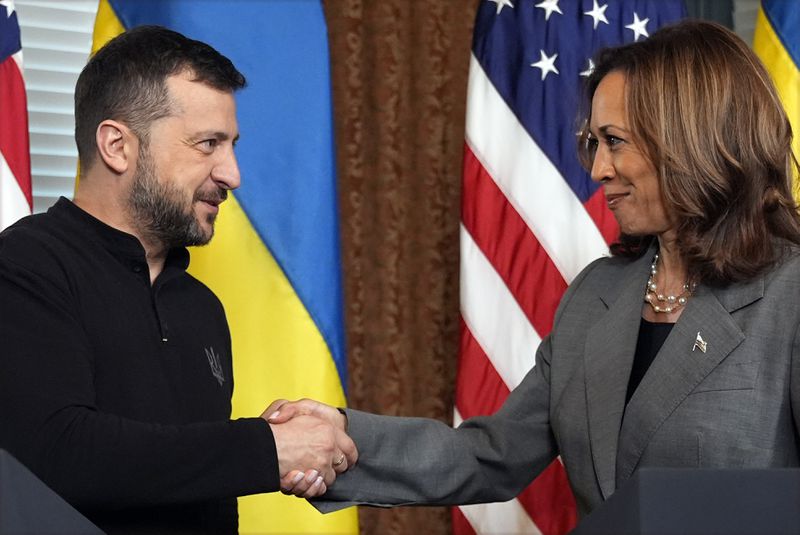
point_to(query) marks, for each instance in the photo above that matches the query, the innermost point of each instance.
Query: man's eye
(209, 144)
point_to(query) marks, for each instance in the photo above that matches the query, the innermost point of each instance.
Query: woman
(682, 349)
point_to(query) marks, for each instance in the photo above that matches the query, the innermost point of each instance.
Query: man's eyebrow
(222, 136)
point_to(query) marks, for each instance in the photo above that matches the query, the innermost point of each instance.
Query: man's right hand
(303, 483)
(311, 452)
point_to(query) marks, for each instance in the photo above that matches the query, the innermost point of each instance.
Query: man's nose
(226, 172)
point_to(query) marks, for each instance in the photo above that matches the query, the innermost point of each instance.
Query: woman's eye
(613, 141)
(591, 145)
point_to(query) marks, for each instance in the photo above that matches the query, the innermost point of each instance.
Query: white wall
(744, 18)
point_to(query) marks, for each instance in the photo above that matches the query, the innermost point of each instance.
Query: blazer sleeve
(405, 461)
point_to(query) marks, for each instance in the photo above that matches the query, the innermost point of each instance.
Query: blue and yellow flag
(274, 261)
(777, 43)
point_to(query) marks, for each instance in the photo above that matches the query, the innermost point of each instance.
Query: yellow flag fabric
(777, 43)
(274, 260)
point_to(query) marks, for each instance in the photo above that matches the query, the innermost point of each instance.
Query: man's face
(187, 167)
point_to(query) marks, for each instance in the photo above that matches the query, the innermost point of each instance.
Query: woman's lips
(613, 199)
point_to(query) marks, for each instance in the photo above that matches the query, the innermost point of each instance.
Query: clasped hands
(312, 445)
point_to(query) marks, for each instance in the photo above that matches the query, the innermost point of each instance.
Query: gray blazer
(734, 405)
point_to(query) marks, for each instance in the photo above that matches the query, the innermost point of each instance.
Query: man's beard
(159, 210)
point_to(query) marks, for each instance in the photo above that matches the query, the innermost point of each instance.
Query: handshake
(311, 443)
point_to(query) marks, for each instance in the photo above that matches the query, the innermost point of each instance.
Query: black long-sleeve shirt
(117, 392)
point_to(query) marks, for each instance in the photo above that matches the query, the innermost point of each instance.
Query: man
(115, 369)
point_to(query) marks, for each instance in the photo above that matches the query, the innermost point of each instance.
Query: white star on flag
(9, 5)
(589, 70)
(639, 27)
(597, 13)
(549, 6)
(501, 4)
(546, 64)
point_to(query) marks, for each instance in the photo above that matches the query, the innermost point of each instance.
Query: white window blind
(56, 41)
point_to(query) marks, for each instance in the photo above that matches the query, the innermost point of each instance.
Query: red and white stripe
(16, 196)
(524, 237)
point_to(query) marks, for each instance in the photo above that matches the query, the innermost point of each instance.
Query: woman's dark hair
(126, 80)
(704, 111)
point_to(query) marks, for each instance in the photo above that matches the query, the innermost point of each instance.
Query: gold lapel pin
(699, 343)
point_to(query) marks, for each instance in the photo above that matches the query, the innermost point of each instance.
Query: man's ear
(116, 144)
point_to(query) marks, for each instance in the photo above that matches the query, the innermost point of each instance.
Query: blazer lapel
(608, 357)
(681, 364)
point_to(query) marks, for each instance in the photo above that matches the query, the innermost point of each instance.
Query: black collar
(123, 246)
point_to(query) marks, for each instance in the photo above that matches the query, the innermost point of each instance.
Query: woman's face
(629, 179)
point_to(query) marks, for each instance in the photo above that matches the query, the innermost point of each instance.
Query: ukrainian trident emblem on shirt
(216, 365)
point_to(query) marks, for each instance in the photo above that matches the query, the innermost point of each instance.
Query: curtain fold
(399, 88)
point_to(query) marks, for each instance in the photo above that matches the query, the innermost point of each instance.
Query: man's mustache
(215, 196)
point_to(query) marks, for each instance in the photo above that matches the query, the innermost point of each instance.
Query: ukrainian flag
(274, 261)
(777, 43)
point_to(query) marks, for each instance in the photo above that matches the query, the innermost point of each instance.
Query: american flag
(15, 167)
(531, 216)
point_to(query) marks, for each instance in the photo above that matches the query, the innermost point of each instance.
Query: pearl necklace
(655, 299)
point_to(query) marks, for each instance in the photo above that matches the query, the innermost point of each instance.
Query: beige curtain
(399, 87)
